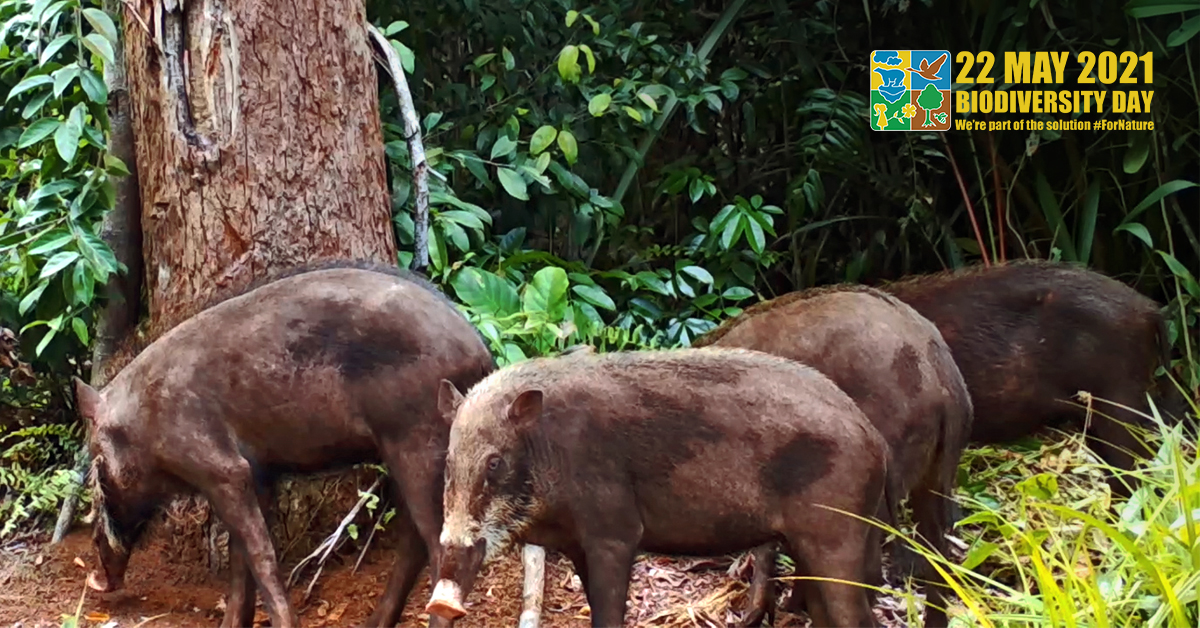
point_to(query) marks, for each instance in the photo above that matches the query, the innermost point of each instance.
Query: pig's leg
(826, 544)
(609, 562)
(232, 494)
(239, 607)
(1112, 440)
(411, 556)
(931, 516)
(762, 589)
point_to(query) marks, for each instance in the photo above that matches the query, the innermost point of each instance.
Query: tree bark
(258, 143)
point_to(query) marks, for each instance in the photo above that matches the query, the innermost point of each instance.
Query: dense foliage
(629, 173)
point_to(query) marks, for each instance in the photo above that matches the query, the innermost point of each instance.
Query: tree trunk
(258, 143)
(258, 147)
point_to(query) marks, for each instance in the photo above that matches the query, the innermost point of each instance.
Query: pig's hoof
(446, 601)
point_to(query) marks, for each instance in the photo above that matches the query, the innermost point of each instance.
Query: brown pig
(894, 364)
(322, 369)
(1028, 336)
(693, 451)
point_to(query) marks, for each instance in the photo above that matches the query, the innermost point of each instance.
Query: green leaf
(54, 46)
(395, 27)
(58, 262)
(1182, 273)
(483, 59)
(595, 296)
(599, 104)
(543, 160)
(649, 100)
(35, 104)
(28, 84)
(542, 139)
(732, 229)
(513, 183)
(408, 60)
(566, 142)
(758, 241)
(66, 137)
(699, 274)
(102, 24)
(1184, 33)
(99, 47)
(979, 553)
(464, 218)
(633, 113)
(50, 246)
(737, 293)
(568, 64)
(1137, 229)
(94, 87)
(32, 298)
(594, 24)
(45, 341)
(572, 15)
(1170, 187)
(82, 283)
(80, 328)
(591, 57)
(37, 132)
(63, 77)
(114, 165)
(1151, 8)
(503, 147)
(547, 293)
(1135, 157)
(509, 61)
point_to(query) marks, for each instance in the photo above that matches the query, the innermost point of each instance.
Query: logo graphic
(910, 90)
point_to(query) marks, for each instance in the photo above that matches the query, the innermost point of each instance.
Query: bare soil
(40, 583)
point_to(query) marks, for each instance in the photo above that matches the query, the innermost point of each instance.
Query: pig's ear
(88, 401)
(526, 408)
(448, 400)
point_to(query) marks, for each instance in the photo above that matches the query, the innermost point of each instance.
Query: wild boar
(1028, 336)
(894, 364)
(693, 451)
(326, 367)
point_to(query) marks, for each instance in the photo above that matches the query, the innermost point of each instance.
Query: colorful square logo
(910, 90)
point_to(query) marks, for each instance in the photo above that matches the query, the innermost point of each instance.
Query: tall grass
(1046, 545)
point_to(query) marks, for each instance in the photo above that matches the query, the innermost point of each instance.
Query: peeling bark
(258, 143)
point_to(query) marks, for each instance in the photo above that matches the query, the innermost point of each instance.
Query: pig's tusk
(93, 584)
(446, 601)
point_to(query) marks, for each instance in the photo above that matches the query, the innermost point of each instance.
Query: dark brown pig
(894, 364)
(694, 451)
(1028, 336)
(325, 368)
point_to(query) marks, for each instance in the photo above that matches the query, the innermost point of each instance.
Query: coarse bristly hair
(100, 507)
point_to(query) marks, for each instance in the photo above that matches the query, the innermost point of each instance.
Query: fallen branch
(412, 133)
(367, 545)
(533, 557)
(326, 547)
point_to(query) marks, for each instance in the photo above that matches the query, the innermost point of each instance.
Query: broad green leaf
(37, 132)
(543, 160)
(32, 298)
(58, 262)
(35, 104)
(733, 228)
(82, 283)
(1135, 157)
(599, 104)
(503, 147)
(509, 61)
(1182, 273)
(1137, 229)
(1151, 8)
(28, 84)
(758, 241)
(102, 24)
(80, 328)
(63, 77)
(568, 64)
(513, 183)
(49, 246)
(483, 59)
(591, 57)
(572, 15)
(699, 274)
(1170, 187)
(649, 100)
(547, 293)
(42, 347)
(408, 60)
(94, 87)
(1184, 33)
(595, 25)
(632, 113)
(395, 27)
(595, 296)
(979, 553)
(542, 139)
(54, 46)
(566, 142)
(99, 47)
(66, 138)
(737, 293)
(464, 218)
(114, 165)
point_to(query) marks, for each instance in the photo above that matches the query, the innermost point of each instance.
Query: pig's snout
(446, 601)
(456, 575)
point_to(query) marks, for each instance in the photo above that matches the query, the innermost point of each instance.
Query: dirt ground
(40, 583)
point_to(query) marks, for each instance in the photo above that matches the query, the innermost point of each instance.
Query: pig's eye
(493, 463)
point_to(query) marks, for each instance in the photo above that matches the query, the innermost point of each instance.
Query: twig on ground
(374, 527)
(326, 547)
(533, 557)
